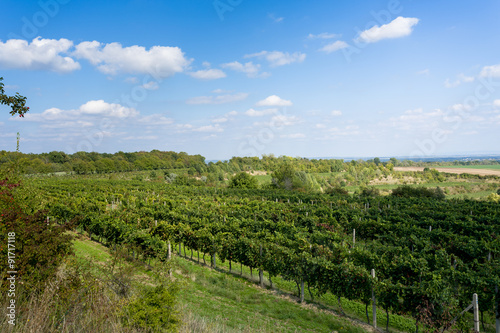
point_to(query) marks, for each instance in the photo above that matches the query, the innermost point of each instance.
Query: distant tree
(243, 180)
(498, 191)
(283, 177)
(376, 160)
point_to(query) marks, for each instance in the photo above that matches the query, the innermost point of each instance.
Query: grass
(220, 302)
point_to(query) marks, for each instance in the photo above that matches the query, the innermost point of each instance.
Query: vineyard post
(302, 291)
(497, 312)
(169, 251)
(374, 301)
(353, 237)
(475, 306)
(261, 273)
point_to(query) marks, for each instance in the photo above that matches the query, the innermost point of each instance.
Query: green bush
(418, 192)
(154, 309)
(243, 180)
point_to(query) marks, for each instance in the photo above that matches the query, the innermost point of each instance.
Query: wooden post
(374, 303)
(302, 291)
(475, 306)
(497, 310)
(261, 273)
(156, 223)
(353, 237)
(169, 251)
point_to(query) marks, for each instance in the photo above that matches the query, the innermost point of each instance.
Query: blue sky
(230, 78)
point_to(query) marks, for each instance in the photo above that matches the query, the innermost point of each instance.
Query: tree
(17, 103)
(284, 176)
(243, 180)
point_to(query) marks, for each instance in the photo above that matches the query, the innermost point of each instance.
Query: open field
(456, 170)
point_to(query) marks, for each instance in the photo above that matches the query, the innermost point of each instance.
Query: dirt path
(481, 172)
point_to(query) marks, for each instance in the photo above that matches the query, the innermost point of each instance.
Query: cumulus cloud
(40, 54)
(208, 74)
(98, 108)
(491, 71)
(336, 113)
(255, 113)
(399, 27)
(277, 58)
(113, 58)
(250, 69)
(220, 99)
(335, 46)
(274, 100)
(461, 78)
(496, 103)
(323, 35)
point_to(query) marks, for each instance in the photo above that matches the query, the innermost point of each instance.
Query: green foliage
(243, 180)
(17, 103)
(370, 191)
(337, 190)
(154, 309)
(418, 192)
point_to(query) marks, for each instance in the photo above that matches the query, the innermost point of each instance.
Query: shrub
(418, 192)
(243, 180)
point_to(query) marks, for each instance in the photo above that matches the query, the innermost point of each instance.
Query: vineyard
(429, 255)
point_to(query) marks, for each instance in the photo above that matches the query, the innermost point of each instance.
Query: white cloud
(113, 58)
(283, 120)
(277, 58)
(97, 108)
(492, 71)
(417, 119)
(255, 113)
(275, 19)
(323, 35)
(225, 118)
(293, 136)
(460, 107)
(250, 69)
(335, 46)
(131, 79)
(425, 72)
(399, 27)
(336, 113)
(208, 74)
(274, 100)
(40, 54)
(151, 85)
(209, 128)
(320, 126)
(221, 91)
(496, 103)
(461, 78)
(155, 120)
(220, 120)
(220, 99)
